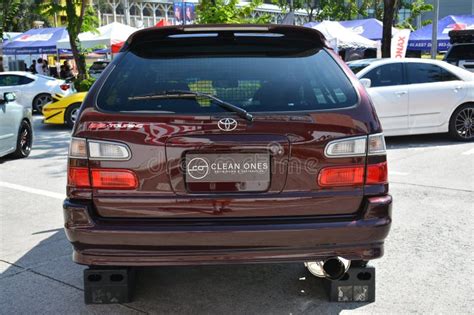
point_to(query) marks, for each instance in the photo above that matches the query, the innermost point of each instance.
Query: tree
(81, 17)
(416, 8)
(389, 7)
(8, 11)
(223, 12)
(325, 9)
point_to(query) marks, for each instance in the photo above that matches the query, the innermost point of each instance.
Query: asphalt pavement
(427, 267)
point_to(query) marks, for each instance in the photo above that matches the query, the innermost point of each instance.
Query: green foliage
(81, 17)
(416, 8)
(84, 85)
(326, 9)
(8, 11)
(227, 12)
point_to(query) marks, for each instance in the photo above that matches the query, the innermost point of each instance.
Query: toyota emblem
(227, 124)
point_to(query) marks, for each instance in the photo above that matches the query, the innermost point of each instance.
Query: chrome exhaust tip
(332, 268)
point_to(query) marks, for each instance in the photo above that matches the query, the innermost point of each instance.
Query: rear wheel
(461, 124)
(24, 141)
(71, 114)
(41, 100)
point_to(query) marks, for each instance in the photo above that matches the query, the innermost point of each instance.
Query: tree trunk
(388, 14)
(79, 59)
(74, 28)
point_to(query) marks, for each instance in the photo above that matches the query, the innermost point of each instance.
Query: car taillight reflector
(113, 179)
(341, 176)
(377, 173)
(64, 87)
(353, 175)
(78, 177)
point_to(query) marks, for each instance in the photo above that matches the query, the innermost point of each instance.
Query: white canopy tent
(107, 35)
(342, 37)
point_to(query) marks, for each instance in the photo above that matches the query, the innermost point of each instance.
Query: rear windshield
(461, 52)
(303, 80)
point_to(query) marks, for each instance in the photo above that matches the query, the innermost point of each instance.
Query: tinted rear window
(461, 52)
(257, 79)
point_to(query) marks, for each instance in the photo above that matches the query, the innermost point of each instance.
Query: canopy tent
(35, 41)
(335, 32)
(106, 36)
(421, 39)
(368, 28)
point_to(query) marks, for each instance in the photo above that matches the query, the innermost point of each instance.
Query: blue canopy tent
(421, 39)
(35, 41)
(368, 28)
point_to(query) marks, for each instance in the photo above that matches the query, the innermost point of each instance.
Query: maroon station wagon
(227, 144)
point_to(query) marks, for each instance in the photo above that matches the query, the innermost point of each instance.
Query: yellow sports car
(63, 109)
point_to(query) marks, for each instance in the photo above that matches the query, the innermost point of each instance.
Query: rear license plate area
(227, 172)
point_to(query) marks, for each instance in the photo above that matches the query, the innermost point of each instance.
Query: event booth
(420, 40)
(106, 35)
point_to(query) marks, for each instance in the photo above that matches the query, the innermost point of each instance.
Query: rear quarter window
(307, 80)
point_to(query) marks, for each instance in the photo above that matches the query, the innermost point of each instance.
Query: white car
(33, 90)
(16, 132)
(419, 96)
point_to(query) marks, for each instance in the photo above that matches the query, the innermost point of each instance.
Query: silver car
(16, 132)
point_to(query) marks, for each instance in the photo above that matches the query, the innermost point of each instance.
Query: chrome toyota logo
(227, 124)
(197, 168)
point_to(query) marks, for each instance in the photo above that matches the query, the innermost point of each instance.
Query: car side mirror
(366, 82)
(8, 97)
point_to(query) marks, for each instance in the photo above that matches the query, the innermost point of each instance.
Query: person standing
(33, 67)
(40, 66)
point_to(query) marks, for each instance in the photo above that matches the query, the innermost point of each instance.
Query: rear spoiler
(226, 31)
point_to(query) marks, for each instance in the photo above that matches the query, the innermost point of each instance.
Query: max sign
(400, 44)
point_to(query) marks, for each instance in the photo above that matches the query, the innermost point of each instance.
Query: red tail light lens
(78, 177)
(377, 173)
(64, 87)
(341, 176)
(113, 179)
(353, 175)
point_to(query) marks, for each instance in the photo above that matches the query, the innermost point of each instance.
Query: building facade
(149, 12)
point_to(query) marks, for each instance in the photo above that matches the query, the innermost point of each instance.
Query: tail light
(355, 175)
(83, 177)
(113, 179)
(64, 86)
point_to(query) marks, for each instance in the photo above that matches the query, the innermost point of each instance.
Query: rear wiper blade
(191, 94)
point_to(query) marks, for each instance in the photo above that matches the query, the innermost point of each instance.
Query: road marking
(31, 190)
(468, 152)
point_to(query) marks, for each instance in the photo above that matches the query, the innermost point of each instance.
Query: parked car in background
(33, 90)
(180, 154)
(97, 68)
(461, 53)
(63, 109)
(419, 96)
(16, 133)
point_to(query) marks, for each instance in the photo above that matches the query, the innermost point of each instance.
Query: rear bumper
(137, 243)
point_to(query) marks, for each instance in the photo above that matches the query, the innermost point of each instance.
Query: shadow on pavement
(421, 141)
(221, 289)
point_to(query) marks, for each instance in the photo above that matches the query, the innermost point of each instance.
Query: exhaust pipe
(332, 268)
